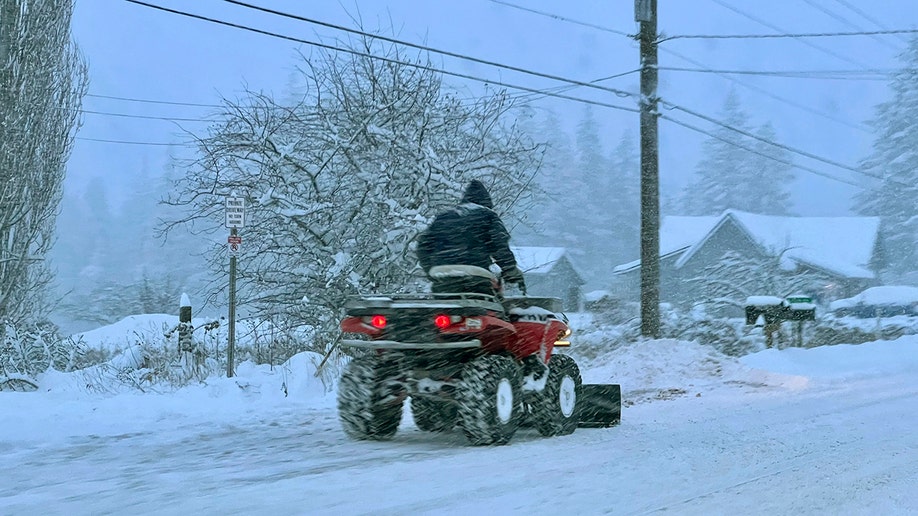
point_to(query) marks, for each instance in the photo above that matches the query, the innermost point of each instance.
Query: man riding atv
(471, 234)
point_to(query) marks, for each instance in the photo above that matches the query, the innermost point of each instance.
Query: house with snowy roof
(843, 252)
(549, 272)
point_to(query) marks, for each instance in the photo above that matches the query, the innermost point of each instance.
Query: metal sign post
(235, 218)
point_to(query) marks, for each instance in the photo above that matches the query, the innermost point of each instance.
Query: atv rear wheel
(556, 410)
(490, 400)
(366, 408)
(433, 415)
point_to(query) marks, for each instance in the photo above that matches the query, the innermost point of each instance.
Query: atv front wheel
(433, 415)
(366, 408)
(490, 401)
(556, 409)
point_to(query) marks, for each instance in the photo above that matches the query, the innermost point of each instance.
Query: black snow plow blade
(600, 405)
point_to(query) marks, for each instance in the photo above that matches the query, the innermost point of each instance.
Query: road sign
(234, 242)
(235, 212)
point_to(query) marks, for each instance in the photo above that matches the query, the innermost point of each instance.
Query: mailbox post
(770, 311)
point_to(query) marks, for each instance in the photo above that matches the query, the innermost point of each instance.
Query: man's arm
(500, 248)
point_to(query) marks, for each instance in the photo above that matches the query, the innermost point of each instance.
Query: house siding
(677, 288)
(562, 281)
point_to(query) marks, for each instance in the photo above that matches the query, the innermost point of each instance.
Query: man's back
(469, 234)
(459, 236)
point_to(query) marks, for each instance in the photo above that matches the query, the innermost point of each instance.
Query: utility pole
(645, 12)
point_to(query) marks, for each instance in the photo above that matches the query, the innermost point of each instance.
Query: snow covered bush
(31, 350)
(832, 330)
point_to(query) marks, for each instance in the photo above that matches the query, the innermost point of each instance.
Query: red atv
(479, 361)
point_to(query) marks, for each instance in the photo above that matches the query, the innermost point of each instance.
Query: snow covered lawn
(827, 430)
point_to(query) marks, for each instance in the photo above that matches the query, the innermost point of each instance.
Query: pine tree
(722, 167)
(625, 209)
(559, 188)
(766, 185)
(895, 159)
(738, 172)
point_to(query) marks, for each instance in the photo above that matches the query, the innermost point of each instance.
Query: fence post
(185, 329)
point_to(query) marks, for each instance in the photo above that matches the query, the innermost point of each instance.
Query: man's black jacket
(469, 234)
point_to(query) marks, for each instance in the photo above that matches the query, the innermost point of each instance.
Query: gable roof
(840, 245)
(538, 260)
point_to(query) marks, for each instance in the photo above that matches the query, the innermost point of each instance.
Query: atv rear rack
(393, 344)
(424, 300)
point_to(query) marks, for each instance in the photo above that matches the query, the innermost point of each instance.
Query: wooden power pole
(645, 12)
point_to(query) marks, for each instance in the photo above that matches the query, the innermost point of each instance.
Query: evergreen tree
(594, 214)
(766, 184)
(625, 208)
(729, 176)
(559, 188)
(895, 159)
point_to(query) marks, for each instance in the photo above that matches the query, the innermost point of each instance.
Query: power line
(522, 88)
(799, 35)
(865, 75)
(144, 117)
(770, 94)
(150, 101)
(735, 80)
(866, 16)
(756, 152)
(774, 27)
(834, 15)
(127, 142)
(426, 48)
(564, 19)
(404, 63)
(748, 134)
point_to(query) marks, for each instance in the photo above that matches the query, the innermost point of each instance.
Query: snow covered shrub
(831, 330)
(725, 335)
(33, 349)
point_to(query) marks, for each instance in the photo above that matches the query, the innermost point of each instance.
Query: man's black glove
(514, 275)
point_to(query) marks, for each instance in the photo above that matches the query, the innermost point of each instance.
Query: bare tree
(42, 81)
(340, 182)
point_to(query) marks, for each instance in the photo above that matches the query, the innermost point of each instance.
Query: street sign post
(235, 218)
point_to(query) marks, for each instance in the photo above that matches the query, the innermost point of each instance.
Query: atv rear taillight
(378, 321)
(442, 321)
(445, 321)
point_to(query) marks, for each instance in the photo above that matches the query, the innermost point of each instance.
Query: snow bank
(841, 362)
(131, 330)
(653, 368)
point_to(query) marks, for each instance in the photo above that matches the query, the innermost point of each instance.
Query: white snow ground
(826, 430)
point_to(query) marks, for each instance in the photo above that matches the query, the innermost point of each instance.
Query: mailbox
(774, 309)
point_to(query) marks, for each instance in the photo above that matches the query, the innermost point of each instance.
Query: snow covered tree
(729, 176)
(556, 187)
(339, 184)
(735, 277)
(591, 218)
(625, 207)
(770, 173)
(42, 82)
(895, 160)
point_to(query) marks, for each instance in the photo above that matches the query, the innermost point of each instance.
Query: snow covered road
(835, 447)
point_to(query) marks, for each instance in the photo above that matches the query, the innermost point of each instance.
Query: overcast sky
(140, 53)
